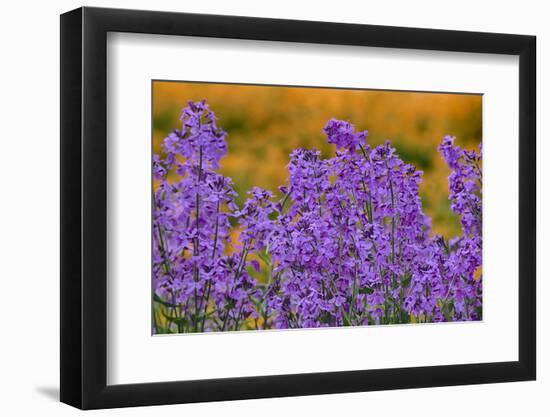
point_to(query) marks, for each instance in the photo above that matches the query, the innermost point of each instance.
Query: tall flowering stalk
(347, 245)
(353, 238)
(465, 260)
(198, 285)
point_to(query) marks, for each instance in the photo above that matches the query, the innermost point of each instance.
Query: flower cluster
(200, 286)
(348, 244)
(465, 259)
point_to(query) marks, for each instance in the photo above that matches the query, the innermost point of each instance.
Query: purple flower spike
(343, 135)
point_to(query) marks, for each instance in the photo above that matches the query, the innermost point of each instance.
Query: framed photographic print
(257, 207)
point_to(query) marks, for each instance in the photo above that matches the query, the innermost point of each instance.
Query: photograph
(247, 208)
(296, 207)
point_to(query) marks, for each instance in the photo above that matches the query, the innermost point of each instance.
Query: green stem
(240, 267)
(206, 298)
(196, 242)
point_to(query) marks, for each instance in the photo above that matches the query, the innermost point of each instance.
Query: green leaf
(366, 290)
(479, 311)
(406, 281)
(164, 330)
(265, 257)
(176, 320)
(325, 317)
(346, 321)
(159, 300)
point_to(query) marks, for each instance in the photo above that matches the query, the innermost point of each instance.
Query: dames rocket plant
(347, 245)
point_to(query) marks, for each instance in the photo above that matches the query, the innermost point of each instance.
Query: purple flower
(343, 135)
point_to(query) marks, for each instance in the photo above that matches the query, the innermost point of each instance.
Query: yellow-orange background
(264, 124)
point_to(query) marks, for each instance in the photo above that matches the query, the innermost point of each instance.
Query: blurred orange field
(265, 123)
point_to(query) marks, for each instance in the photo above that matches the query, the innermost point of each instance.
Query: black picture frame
(84, 207)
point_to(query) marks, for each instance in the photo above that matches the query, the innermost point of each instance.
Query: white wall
(29, 171)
